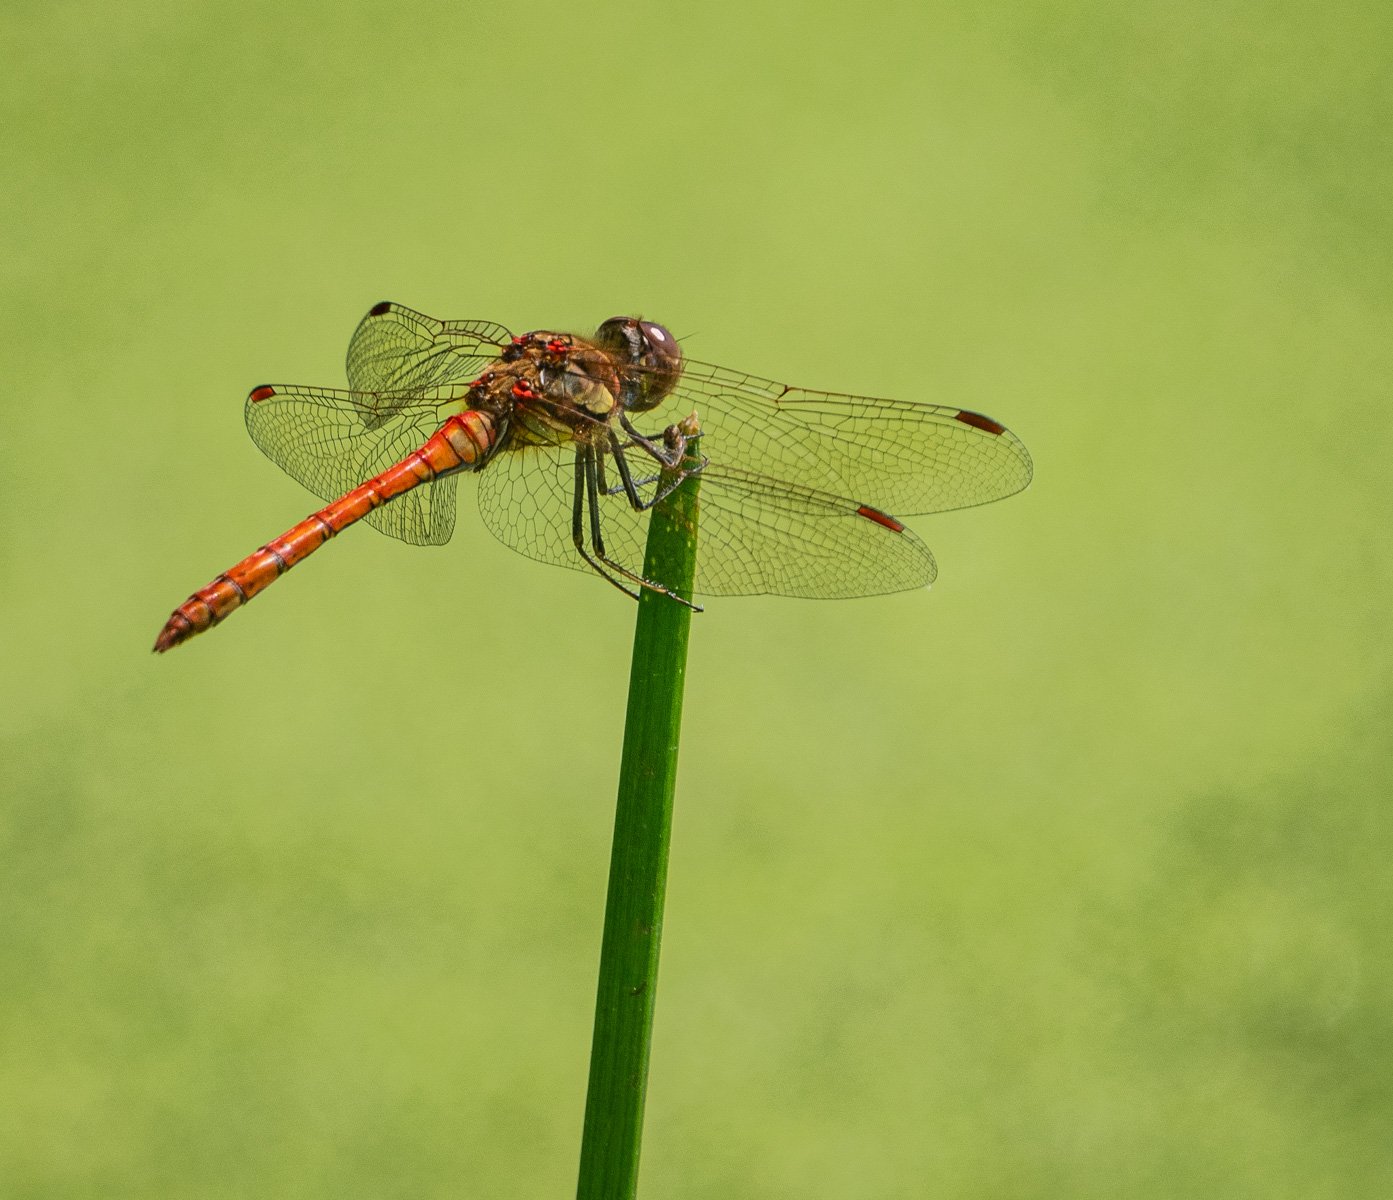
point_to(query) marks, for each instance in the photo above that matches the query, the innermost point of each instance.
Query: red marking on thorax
(978, 421)
(880, 518)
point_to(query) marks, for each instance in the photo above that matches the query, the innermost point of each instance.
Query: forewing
(332, 440)
(756, 535)
(396, 350)
(903, 457)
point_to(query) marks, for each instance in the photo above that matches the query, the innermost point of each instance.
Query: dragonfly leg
(590, 468)
(670, 453)
(578, 507)
(629, 485)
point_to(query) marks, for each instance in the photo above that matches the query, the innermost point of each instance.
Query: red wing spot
(978, 421)
(880, 518)
(264, 392)
(378, 309)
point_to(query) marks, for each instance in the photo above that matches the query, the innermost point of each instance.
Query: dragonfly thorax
(574, 385)
(550, 389)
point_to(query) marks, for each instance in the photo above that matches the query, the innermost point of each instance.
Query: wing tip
(980, 421)
(880, 518)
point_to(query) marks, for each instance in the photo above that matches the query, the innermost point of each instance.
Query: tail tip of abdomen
(177, 629)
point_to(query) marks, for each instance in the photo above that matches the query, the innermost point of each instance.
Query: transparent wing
(756, 535)
(332, 440)
(768, 537)
(398, 351)
(903, 457)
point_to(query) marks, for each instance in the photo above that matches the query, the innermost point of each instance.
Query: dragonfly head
(651, 354)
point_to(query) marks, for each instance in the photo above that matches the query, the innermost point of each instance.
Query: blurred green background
(1067, 878)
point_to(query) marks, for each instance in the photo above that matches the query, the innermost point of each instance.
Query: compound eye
(652, 355)
(662, 347)
(621, 335)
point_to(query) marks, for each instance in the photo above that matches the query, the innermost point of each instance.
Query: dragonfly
(574, 440)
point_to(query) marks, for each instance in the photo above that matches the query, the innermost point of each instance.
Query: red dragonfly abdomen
(462, 443)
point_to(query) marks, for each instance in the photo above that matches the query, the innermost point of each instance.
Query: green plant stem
(609, 1152)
